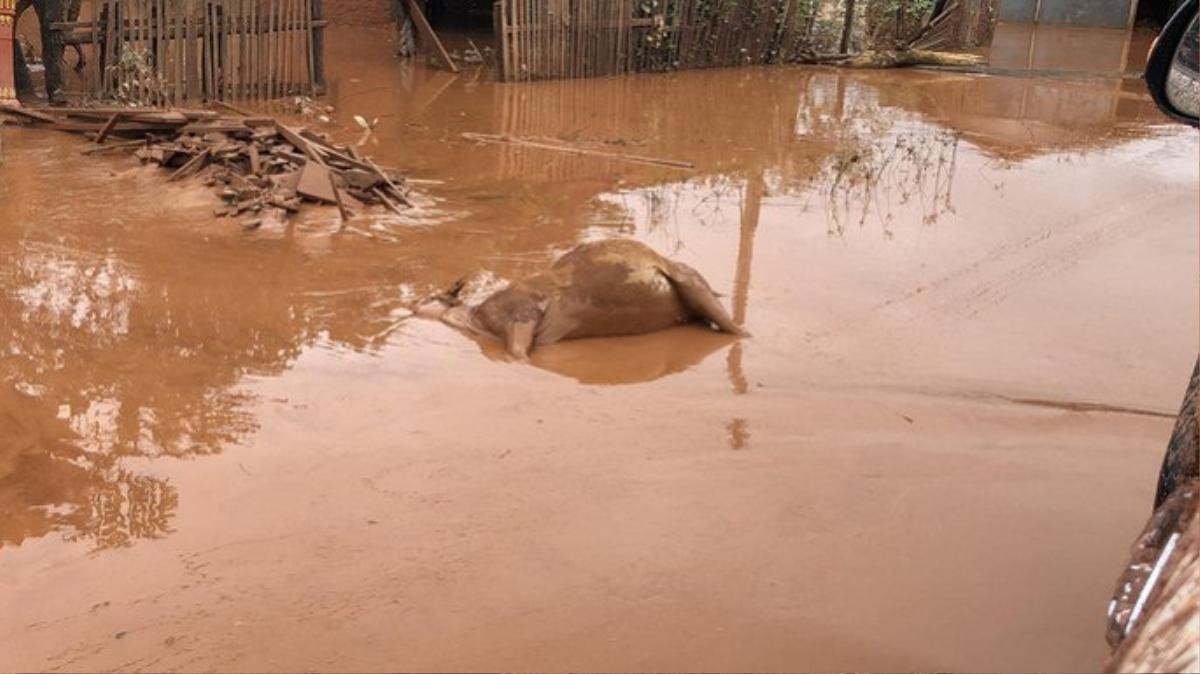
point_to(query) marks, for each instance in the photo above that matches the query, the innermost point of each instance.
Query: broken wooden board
(315, 182)
(557, 146)
(108, 127)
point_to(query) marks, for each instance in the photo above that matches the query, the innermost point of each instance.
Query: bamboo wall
(167, 52)
(555, 39)
(547, 39)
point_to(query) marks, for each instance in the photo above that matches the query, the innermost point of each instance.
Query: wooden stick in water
(108, 127)
(525, 142)
(337, 196)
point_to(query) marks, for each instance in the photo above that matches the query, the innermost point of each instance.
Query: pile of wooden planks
(262, 167)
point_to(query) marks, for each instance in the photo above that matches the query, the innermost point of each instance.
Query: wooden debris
(108, 127)
(337, 197)
(427, 33)
(115, 146)
(255, 160)
(194, 164)
(391, 185)
(118, 127)
(316, 182)
(230, 108)
(257, 165)
(30, 114)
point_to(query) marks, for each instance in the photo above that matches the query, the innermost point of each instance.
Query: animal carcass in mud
(600, 289)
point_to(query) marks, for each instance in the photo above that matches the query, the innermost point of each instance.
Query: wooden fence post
(318, 46)
(501, 34)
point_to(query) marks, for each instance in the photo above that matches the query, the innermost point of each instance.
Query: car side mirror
(1173, 69)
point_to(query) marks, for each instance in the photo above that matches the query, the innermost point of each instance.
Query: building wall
(358, 12)
(1099, 13)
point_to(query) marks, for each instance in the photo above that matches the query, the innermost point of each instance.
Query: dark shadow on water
(611, 361)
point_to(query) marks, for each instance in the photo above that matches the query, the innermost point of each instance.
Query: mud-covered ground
(974, 309)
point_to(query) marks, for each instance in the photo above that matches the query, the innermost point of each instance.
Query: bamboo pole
(160, 48)
(255, 43)
(177, 53)
(209, 50)
(109, 48)
(308, 46)
(285, 43)
(237, 48)
(292, 45)
(272, 11)
(318, 38)
(96, 49)
(518, 26)
(297, 58)
(188, 45)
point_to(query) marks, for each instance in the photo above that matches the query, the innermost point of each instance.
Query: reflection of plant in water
(49, 483)
(656, 210)
(913, 170)
(107, 362)
(87, 328)
(124, 507)
(878, 161)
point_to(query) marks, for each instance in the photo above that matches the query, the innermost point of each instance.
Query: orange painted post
(8, 82)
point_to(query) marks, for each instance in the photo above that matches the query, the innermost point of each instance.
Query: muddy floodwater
(974, 309)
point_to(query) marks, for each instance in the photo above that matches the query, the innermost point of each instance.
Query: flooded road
(974, 308)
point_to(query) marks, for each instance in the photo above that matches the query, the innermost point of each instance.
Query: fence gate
(166, 52)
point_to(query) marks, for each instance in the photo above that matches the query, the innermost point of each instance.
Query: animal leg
(518, 336)
(699, 297)
(554, 326)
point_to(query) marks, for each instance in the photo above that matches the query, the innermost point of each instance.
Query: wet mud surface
(973, 303)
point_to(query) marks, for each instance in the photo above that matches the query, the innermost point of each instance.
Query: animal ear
(699, 297)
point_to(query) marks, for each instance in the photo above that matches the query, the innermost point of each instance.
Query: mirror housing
(1172, 71)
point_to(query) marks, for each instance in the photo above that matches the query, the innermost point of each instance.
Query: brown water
(1070, 49)
(974, 305)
